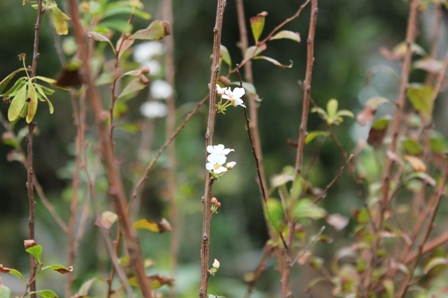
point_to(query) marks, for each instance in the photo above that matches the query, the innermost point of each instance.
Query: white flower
(153, 109)
(145, 51)
(160, 89)
(235, 96)
(215, 162)
(219, 150)
(230, 165)
(221, 91)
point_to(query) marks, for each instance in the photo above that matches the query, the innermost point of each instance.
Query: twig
(207, 216)
(307, 248)
(162, 149)
(116, 189)
(324, 192)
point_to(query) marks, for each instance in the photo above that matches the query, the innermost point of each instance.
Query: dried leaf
(417, 164)
(429, 64)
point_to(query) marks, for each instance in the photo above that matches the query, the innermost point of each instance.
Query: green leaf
(116, 10)
(121, 26)
(155, 31)
(45, 294)
(257, 25)
(101, 38)
(433, 263)
(85, 288)
(6, 80)
(36, 252)
(411, 147)
(59, 268)
(312, 135)
(332, 108)
(438, 143)
(304, 208)
(381, 123)
(389, 286)
(5, 292)
(45, 79)
(130, 127)
(363, 216)
(17, 104)
(225, 56)
(42, 95)
(17, 274)
(296, 188)
(275, 212)
(15, 88)
(287, 34)
(421, 99)
(132, 88)
(32, 103)
(253, 51)
(275, 62)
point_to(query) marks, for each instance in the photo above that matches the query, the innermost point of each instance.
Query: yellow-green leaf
(17, 104)
(254, 51)
(287, 34)
(58, 19)
(100, 37)
(45, 294)
(257, 24)
(160, 227)
(332, 108)
(225, 56)
(421, 99)
(6, 80)
(132, 88)
(312, 135)
(32, 102)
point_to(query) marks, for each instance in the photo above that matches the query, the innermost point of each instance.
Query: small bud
(230, 165)
(145, 69)
(216, 264)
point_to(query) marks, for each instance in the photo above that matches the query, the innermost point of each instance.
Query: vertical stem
(286, 270)
(397, 121)
(167, 12)
(207, 216)
(31, 203)
(307, 87)
(116, 189)
(30, 173)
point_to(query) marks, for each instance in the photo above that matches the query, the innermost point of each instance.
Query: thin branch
(307, 86)
(30, 171)
(324, 192)
(207, 216)
(116, 189)
(308, 247)
(162, 149)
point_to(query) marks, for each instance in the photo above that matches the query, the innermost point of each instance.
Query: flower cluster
(216, 160)
(233, 98)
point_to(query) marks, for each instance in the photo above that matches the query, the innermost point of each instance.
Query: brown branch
(395, 131)
(207, 215)
(116, 189)
(30, 171)
(437, 196)
(287, 265)
(307, 87)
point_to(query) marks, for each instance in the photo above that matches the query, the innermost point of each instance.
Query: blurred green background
(348, 37)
